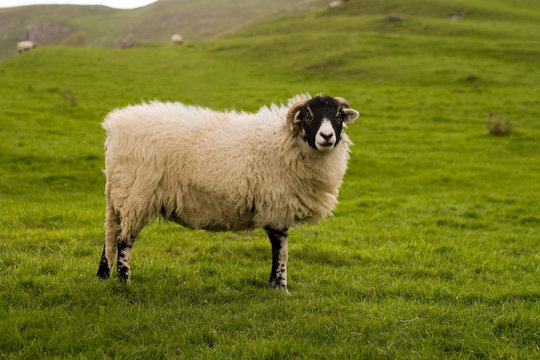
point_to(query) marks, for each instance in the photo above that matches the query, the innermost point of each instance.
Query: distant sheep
(24, 46)
(177, 39)
(395, 17)
(335, 3)
(204, 169)
(457, 16)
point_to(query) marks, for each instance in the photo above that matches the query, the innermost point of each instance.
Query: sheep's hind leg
(278, 275)
(112, 230)
(123, 267)
(132, 222)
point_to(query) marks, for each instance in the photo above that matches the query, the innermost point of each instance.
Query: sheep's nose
(327, 137)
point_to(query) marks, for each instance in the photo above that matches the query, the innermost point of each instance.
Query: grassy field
(434, 248)
(103, 26)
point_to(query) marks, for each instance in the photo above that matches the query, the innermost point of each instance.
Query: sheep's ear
(296, 120)
(292, 115)
(350, 115)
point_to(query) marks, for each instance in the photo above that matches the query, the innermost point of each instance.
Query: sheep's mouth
(325, 146)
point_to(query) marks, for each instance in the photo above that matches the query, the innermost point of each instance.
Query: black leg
(124, 257)
(104, 271)
(278, 274)
(112, 231)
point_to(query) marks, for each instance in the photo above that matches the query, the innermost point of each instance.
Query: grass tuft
(69, 97)
(497, 127)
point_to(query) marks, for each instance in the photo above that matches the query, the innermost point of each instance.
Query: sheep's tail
(112, 231)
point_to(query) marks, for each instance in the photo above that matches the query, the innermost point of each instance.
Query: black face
(320, 122)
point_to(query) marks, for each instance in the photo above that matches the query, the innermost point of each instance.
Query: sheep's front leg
(278, 275)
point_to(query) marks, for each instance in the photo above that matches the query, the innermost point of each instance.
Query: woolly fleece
(216, 170)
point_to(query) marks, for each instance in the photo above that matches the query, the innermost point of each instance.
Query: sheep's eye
(308, 118)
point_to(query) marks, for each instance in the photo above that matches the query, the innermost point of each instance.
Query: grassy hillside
(14, 21)
(102, 26)
(433, 250)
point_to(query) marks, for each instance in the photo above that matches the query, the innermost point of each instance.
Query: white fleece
(217, 170)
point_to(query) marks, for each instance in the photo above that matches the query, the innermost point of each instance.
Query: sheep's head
(319, 121)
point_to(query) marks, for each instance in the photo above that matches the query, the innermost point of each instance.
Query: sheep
(24, 46)
(335, 4)
(204, 169)
(177, 39)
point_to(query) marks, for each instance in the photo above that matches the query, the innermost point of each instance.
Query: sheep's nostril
(327, 137)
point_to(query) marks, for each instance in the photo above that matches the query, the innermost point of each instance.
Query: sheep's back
(194, 163)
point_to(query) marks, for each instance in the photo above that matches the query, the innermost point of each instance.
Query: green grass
(103, 26)
(434, 248)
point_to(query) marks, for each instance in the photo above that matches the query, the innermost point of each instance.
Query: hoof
(280, 287)
(103, 272)
(123, 274)
(124, 279)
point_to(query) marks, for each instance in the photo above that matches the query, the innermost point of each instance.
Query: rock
(395, 17)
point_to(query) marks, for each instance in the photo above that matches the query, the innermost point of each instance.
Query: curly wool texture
(217, 170)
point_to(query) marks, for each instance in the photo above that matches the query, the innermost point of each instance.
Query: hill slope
(433, 250)
(103, 26)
